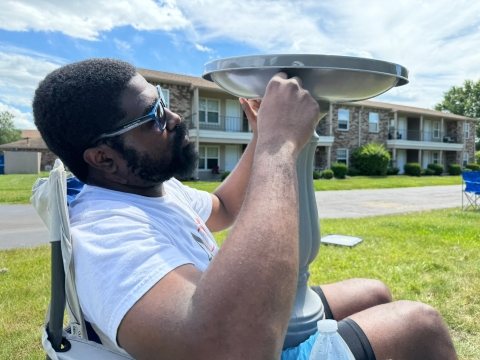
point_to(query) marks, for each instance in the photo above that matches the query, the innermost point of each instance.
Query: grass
(16, 189)
(433, 257)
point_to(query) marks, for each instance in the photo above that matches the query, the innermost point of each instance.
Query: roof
(171, 78)
(31, 134)
(28, 143)
(410, 109)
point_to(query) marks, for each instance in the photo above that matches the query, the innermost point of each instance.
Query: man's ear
(102, 158)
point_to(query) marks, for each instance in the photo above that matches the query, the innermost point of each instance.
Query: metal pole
(308, 308)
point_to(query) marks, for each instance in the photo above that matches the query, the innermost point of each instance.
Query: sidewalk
(20, 226)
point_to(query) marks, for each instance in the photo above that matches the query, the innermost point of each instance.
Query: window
(435, 158)
(209, 110)
(467, 130)
(166, 95)
(465, 159)
(342, 156)
(436, 130)
(208, 157)
(343, 119)
(373, 122)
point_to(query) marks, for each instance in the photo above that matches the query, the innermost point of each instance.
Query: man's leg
(406, 330)
(352, 296)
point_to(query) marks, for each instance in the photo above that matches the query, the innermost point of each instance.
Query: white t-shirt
(123, 244)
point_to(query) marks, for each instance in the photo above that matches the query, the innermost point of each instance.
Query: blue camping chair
(471, 192)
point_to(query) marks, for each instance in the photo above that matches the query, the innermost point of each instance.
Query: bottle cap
(327, 326)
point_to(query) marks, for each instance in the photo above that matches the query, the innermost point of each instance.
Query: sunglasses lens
(160, 115)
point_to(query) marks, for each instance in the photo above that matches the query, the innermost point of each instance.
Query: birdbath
(329, 79)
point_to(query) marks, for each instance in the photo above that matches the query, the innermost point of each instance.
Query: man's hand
(288, 114)
(251, 107)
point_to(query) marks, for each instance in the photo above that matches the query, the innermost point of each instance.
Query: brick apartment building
(221, 132)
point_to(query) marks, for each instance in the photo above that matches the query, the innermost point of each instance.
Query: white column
(420, 157)
(329, 156)
(441, 158)
(442, 131)
(394, 160)
(330, 119)
(395, 124)
(360, 126)
(421, 128)
(197, 122)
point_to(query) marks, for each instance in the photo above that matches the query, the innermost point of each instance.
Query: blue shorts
(348, 329)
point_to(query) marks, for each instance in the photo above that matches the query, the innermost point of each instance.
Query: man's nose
(172, 119)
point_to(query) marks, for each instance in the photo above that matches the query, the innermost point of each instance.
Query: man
(150, 277)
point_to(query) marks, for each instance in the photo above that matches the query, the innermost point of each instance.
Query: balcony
(222, 123)
(428, 140)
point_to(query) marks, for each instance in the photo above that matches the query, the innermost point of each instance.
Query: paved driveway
(20, 226)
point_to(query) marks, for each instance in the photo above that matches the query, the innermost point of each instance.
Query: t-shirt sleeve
(118, 265)
(200, 201)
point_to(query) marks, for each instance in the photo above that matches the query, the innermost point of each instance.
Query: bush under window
(437, 168)
(339, 170)
(393, 171)
(327, 174)
(412, 169)
(454, 169)
(473, 167)
(316, 175)
(371, 159)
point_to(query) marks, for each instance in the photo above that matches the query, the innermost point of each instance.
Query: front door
(426, 158)
(401, 160)
(233, 119)
(232, 155)
(427, 130)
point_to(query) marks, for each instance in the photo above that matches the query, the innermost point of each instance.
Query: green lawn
(433, 257)
(16, 189)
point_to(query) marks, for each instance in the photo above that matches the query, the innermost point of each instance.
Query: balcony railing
(221, 123)
(429, 136)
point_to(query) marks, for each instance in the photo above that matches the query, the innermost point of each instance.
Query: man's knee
(378, 291)
(425, 318)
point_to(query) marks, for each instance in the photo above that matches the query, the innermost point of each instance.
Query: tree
(8, 132)
(463, 100)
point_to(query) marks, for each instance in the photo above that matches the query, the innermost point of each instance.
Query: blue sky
(438, 41)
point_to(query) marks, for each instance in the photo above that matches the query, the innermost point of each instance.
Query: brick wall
(180, 99)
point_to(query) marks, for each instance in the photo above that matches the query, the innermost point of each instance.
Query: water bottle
(329, 345)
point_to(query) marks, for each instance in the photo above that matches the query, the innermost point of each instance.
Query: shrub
(473, 167)
(352, 172)
(437, 168)
(429, 172)
(371, 159)
(412, 169)
(339, 170)
(393, 171)
(224, 175)
(477, 156)
(327, 174)
(316, 175)
(454, 169)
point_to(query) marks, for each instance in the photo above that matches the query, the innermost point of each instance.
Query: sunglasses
(157, 114)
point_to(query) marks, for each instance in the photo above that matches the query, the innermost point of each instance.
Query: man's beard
(181, 163)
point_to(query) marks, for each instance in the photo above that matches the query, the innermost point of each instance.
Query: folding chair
(471, 192)
(78, 340)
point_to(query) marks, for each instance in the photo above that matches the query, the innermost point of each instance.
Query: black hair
(78, 102)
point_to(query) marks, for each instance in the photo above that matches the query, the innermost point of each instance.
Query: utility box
(22, 162)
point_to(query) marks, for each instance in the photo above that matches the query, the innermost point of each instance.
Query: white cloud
(21, 120)
(85, 19)
(437, 41)
(203, 48)
(19, 77)
(123, 46)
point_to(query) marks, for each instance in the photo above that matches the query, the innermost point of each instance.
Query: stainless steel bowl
(327, 77)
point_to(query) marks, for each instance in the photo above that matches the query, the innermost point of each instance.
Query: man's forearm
(232, 191)
(265, 236)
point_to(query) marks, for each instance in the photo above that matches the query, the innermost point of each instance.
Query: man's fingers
(281, 75)
(298, 80)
